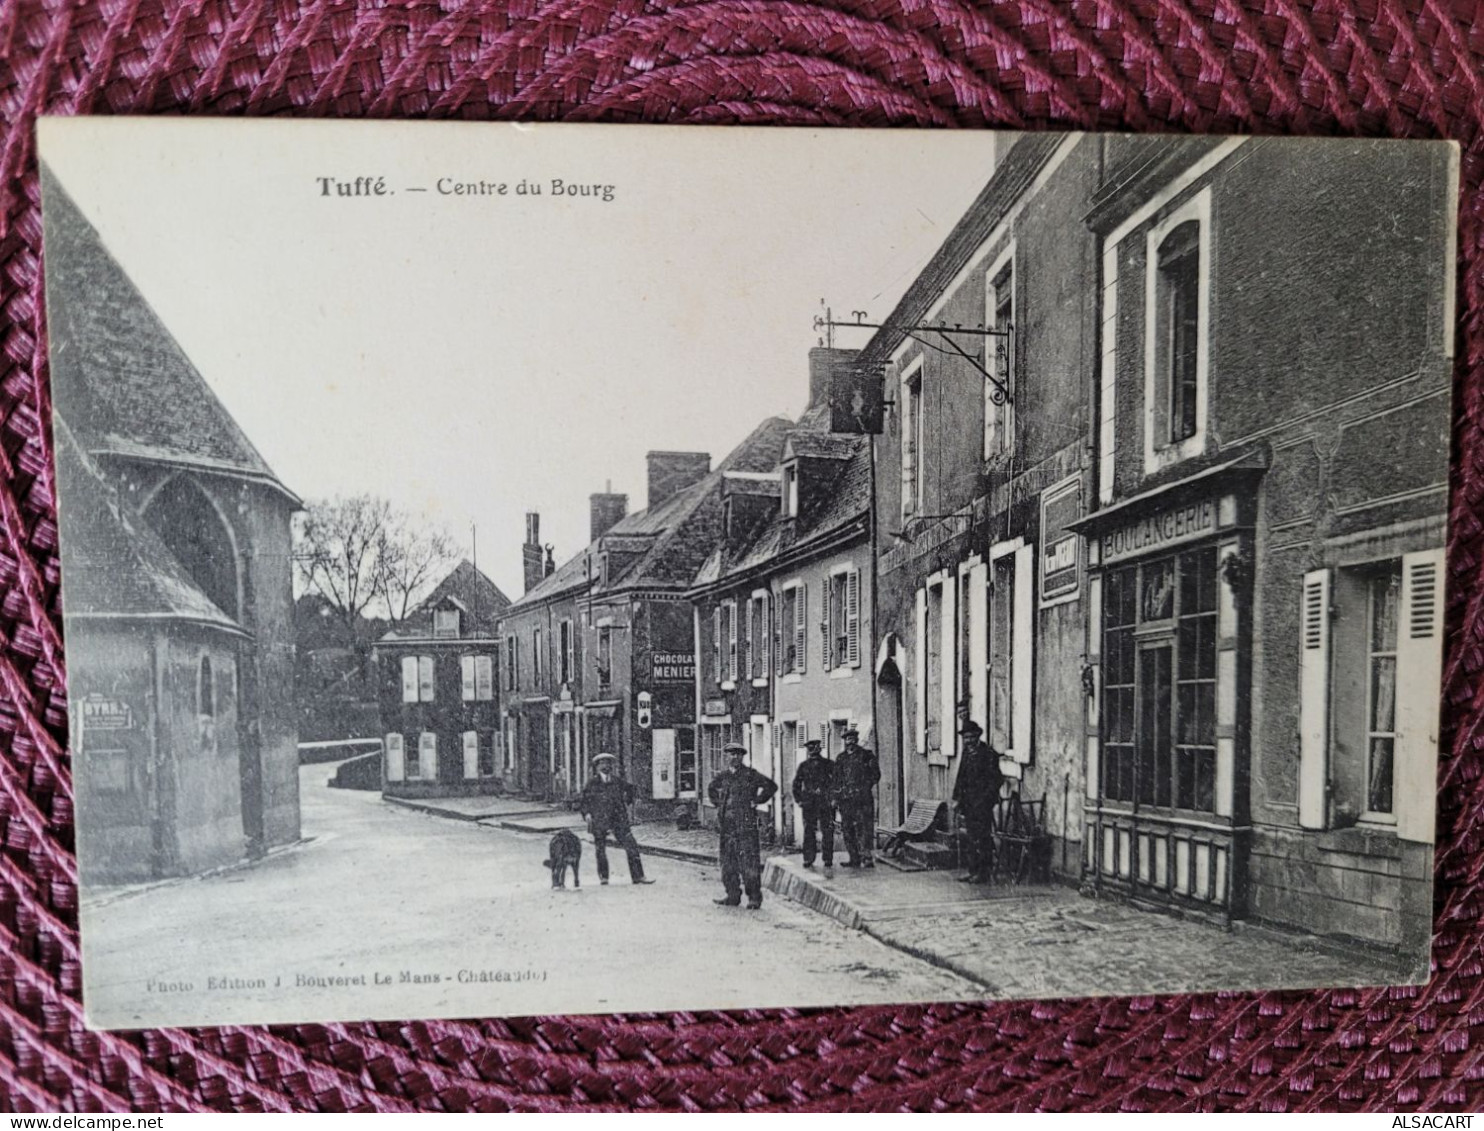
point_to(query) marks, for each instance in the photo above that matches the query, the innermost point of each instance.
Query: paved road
(389, 913)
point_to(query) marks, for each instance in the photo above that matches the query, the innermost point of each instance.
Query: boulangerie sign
(454, 520)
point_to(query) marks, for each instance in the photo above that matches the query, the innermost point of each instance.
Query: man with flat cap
(814, 790)
(605, 803)
(856, 775)
(976, 792)
(736, 793)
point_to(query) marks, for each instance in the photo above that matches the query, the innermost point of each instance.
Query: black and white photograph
(527, 569)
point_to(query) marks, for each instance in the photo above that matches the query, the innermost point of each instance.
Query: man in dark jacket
(976, 792)
(736, 793)
(605, 803)
(856, 775)
(814, 790)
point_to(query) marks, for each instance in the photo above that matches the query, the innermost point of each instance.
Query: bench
(922, 817)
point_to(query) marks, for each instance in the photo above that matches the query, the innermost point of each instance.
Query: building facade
(783, 609)
(634, 644)
(981, 469)
(181, 684)
(1266, 549)
(439, 691)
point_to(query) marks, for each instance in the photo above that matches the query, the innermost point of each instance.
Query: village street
(340, 928)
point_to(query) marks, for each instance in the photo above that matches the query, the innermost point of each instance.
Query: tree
(363, 556)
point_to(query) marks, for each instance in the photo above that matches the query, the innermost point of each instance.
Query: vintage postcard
(518, 569)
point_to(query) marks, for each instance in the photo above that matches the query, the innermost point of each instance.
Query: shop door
(770, 816)
(1153, 737)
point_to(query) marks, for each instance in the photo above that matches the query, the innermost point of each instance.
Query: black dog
(565, 851)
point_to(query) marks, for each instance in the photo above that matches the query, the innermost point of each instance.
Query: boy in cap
(736, 793)
(814, 788)
(605, 803)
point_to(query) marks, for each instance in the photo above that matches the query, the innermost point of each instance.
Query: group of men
(821, 788)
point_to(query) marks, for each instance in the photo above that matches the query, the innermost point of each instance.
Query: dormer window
(446, 623)
(791, 490)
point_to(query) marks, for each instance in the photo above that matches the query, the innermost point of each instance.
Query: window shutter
(1022, 658)
(409, 679)
(716, 643)
(484, 677)
(1314, 628)
(920, 671)
(1419, 663)
(425, 678)
(853, 617)
(471, 754)
(396, 758)
(427, 756)
(947, 671)
(466, 674)
(978, 613)
(747, 665)
(732, 640)
(765, 625)
(801, 622)
(829, 591)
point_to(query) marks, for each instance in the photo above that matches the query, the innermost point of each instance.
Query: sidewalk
(657, 838)
(1038, 941)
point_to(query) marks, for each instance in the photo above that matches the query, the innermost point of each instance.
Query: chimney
(605, 510)
(823, 362)
(530, 553)
(550, 563)
(671, 472)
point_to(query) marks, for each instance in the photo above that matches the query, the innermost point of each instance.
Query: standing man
(814, 790)
(856, 775)
(977, 792)
(737, 793)
(605, 803)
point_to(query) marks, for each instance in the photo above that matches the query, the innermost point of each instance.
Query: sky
(474, 356)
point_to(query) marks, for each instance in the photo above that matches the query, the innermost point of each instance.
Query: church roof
(119, 376)
(114, 567)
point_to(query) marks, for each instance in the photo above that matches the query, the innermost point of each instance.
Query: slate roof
(683, 528)
(845, 496)
(113, 565)
(466, 587)
(118, 375)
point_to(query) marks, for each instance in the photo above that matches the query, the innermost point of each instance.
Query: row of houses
(1157, 498)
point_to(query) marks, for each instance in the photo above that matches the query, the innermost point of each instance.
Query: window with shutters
(426, 681)
(487, 754)
(537, 658)
(510, 664)
(484, 678)
(729, 642)
(758, 637)
(565, 649)
(793, 628)
(1370, 629)
(913, 432)
(427, 756)
(836, 641)
(1000, 731)
(467, 688)
(409, 679)
(445, 623)
(790, 490)
(605, 659)
(396, 758)
(934, 673)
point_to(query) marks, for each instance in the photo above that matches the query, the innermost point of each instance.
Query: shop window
(1159, 682)
(686, 782)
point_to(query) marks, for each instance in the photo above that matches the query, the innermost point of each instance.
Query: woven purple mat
(1369, 67)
